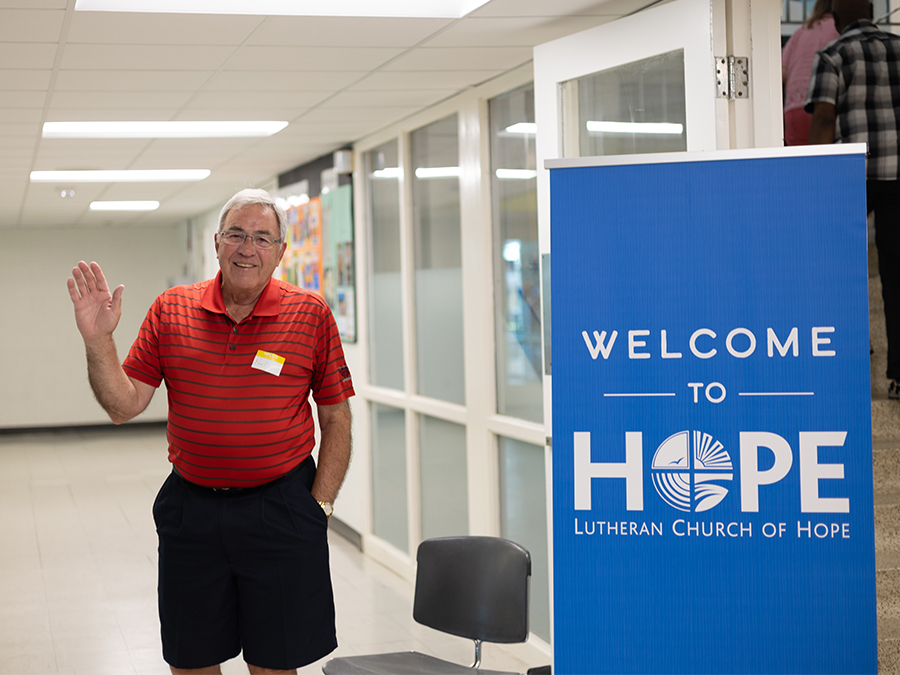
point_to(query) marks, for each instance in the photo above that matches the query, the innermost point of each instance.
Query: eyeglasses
(237, 237)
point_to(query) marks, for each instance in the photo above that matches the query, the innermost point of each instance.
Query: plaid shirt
(859, 73)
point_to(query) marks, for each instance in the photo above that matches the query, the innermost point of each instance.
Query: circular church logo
(688, 471)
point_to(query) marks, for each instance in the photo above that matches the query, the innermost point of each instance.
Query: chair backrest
(473, 587)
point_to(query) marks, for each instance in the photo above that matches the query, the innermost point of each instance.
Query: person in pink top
(796, 69)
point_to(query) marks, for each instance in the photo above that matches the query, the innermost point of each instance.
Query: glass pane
(439, 315)
(389, 506)
(385, 310)
(523, 519)
(633, 109)
(517, 278)
(442, 456)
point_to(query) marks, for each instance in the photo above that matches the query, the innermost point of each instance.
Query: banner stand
(712, 441)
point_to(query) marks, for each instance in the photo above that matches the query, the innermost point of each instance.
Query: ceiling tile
(140, 28)
(328, 31)
(262, 112)
(144, 57)
(285, 157)
(12, 141)
(130, 80)
(388, 98)
(31, 25)
(138, 192)
(21, 165)
(518, 8)
(527, 32)
(339, 132)
(99, 100)
(16, 154)
(26, 115)
(283, 98)
(27, 56)
(342, 114)
(104, 153)
(446, 79)
(19, 131)
(311, 58)
(25, 80)
(206, 153)
(234, 80)
(211, 194)
(109, 114)
(459, 58)
(305, 134)
(24, 99)
(33, 4)
(246, 168)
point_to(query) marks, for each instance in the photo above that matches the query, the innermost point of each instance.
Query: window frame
(479, 417)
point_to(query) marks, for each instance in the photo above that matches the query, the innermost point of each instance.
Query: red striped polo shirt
(231, 423)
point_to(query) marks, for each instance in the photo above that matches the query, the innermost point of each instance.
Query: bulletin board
(302, 261)
(338, 259)
(320, 254)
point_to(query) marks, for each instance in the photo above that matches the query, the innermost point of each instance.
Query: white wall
(43, 368)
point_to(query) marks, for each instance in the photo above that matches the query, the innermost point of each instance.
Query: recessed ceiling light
(451, 9)
(177, 129)
(125, 206)
(123, 176)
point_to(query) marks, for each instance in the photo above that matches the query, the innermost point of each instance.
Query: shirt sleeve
(331, 382)
(823, 86)
(142, 362)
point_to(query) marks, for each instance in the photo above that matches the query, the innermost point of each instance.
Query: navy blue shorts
(244, 571)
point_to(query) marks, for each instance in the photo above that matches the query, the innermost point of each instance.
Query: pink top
(797, 58)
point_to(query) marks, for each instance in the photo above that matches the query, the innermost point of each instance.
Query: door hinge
(732, 77)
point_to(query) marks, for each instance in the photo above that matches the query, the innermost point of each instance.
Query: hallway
(78, 565)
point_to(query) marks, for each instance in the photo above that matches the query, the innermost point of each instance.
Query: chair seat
(399, 663)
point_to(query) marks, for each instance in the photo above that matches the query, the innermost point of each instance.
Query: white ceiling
(335, 80)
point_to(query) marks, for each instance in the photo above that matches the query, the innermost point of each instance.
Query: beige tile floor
(78, 565)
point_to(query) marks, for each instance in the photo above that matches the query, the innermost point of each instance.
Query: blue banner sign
(712, 441)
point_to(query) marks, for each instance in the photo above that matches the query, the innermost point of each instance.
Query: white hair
(254, 196)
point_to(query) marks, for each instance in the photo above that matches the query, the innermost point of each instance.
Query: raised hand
(97, 310)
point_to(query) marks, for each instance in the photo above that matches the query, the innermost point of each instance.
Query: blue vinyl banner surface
(712, 442)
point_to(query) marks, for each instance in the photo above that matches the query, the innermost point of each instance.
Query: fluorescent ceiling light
(526, 128)
(516, 174)
(450, 9)
(437, 172)
(123, 176)
(635, 127)
(388, 172)
(125, 206)
(178, 129)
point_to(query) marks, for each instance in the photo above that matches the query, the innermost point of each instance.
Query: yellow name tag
(269, 362)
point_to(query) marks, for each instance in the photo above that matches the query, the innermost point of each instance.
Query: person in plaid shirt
(854, 97)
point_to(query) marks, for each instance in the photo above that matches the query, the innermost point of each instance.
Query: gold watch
(327, 507)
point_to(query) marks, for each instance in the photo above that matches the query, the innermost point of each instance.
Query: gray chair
(472, 587)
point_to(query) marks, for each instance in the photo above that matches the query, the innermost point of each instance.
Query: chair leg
(477, 663)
